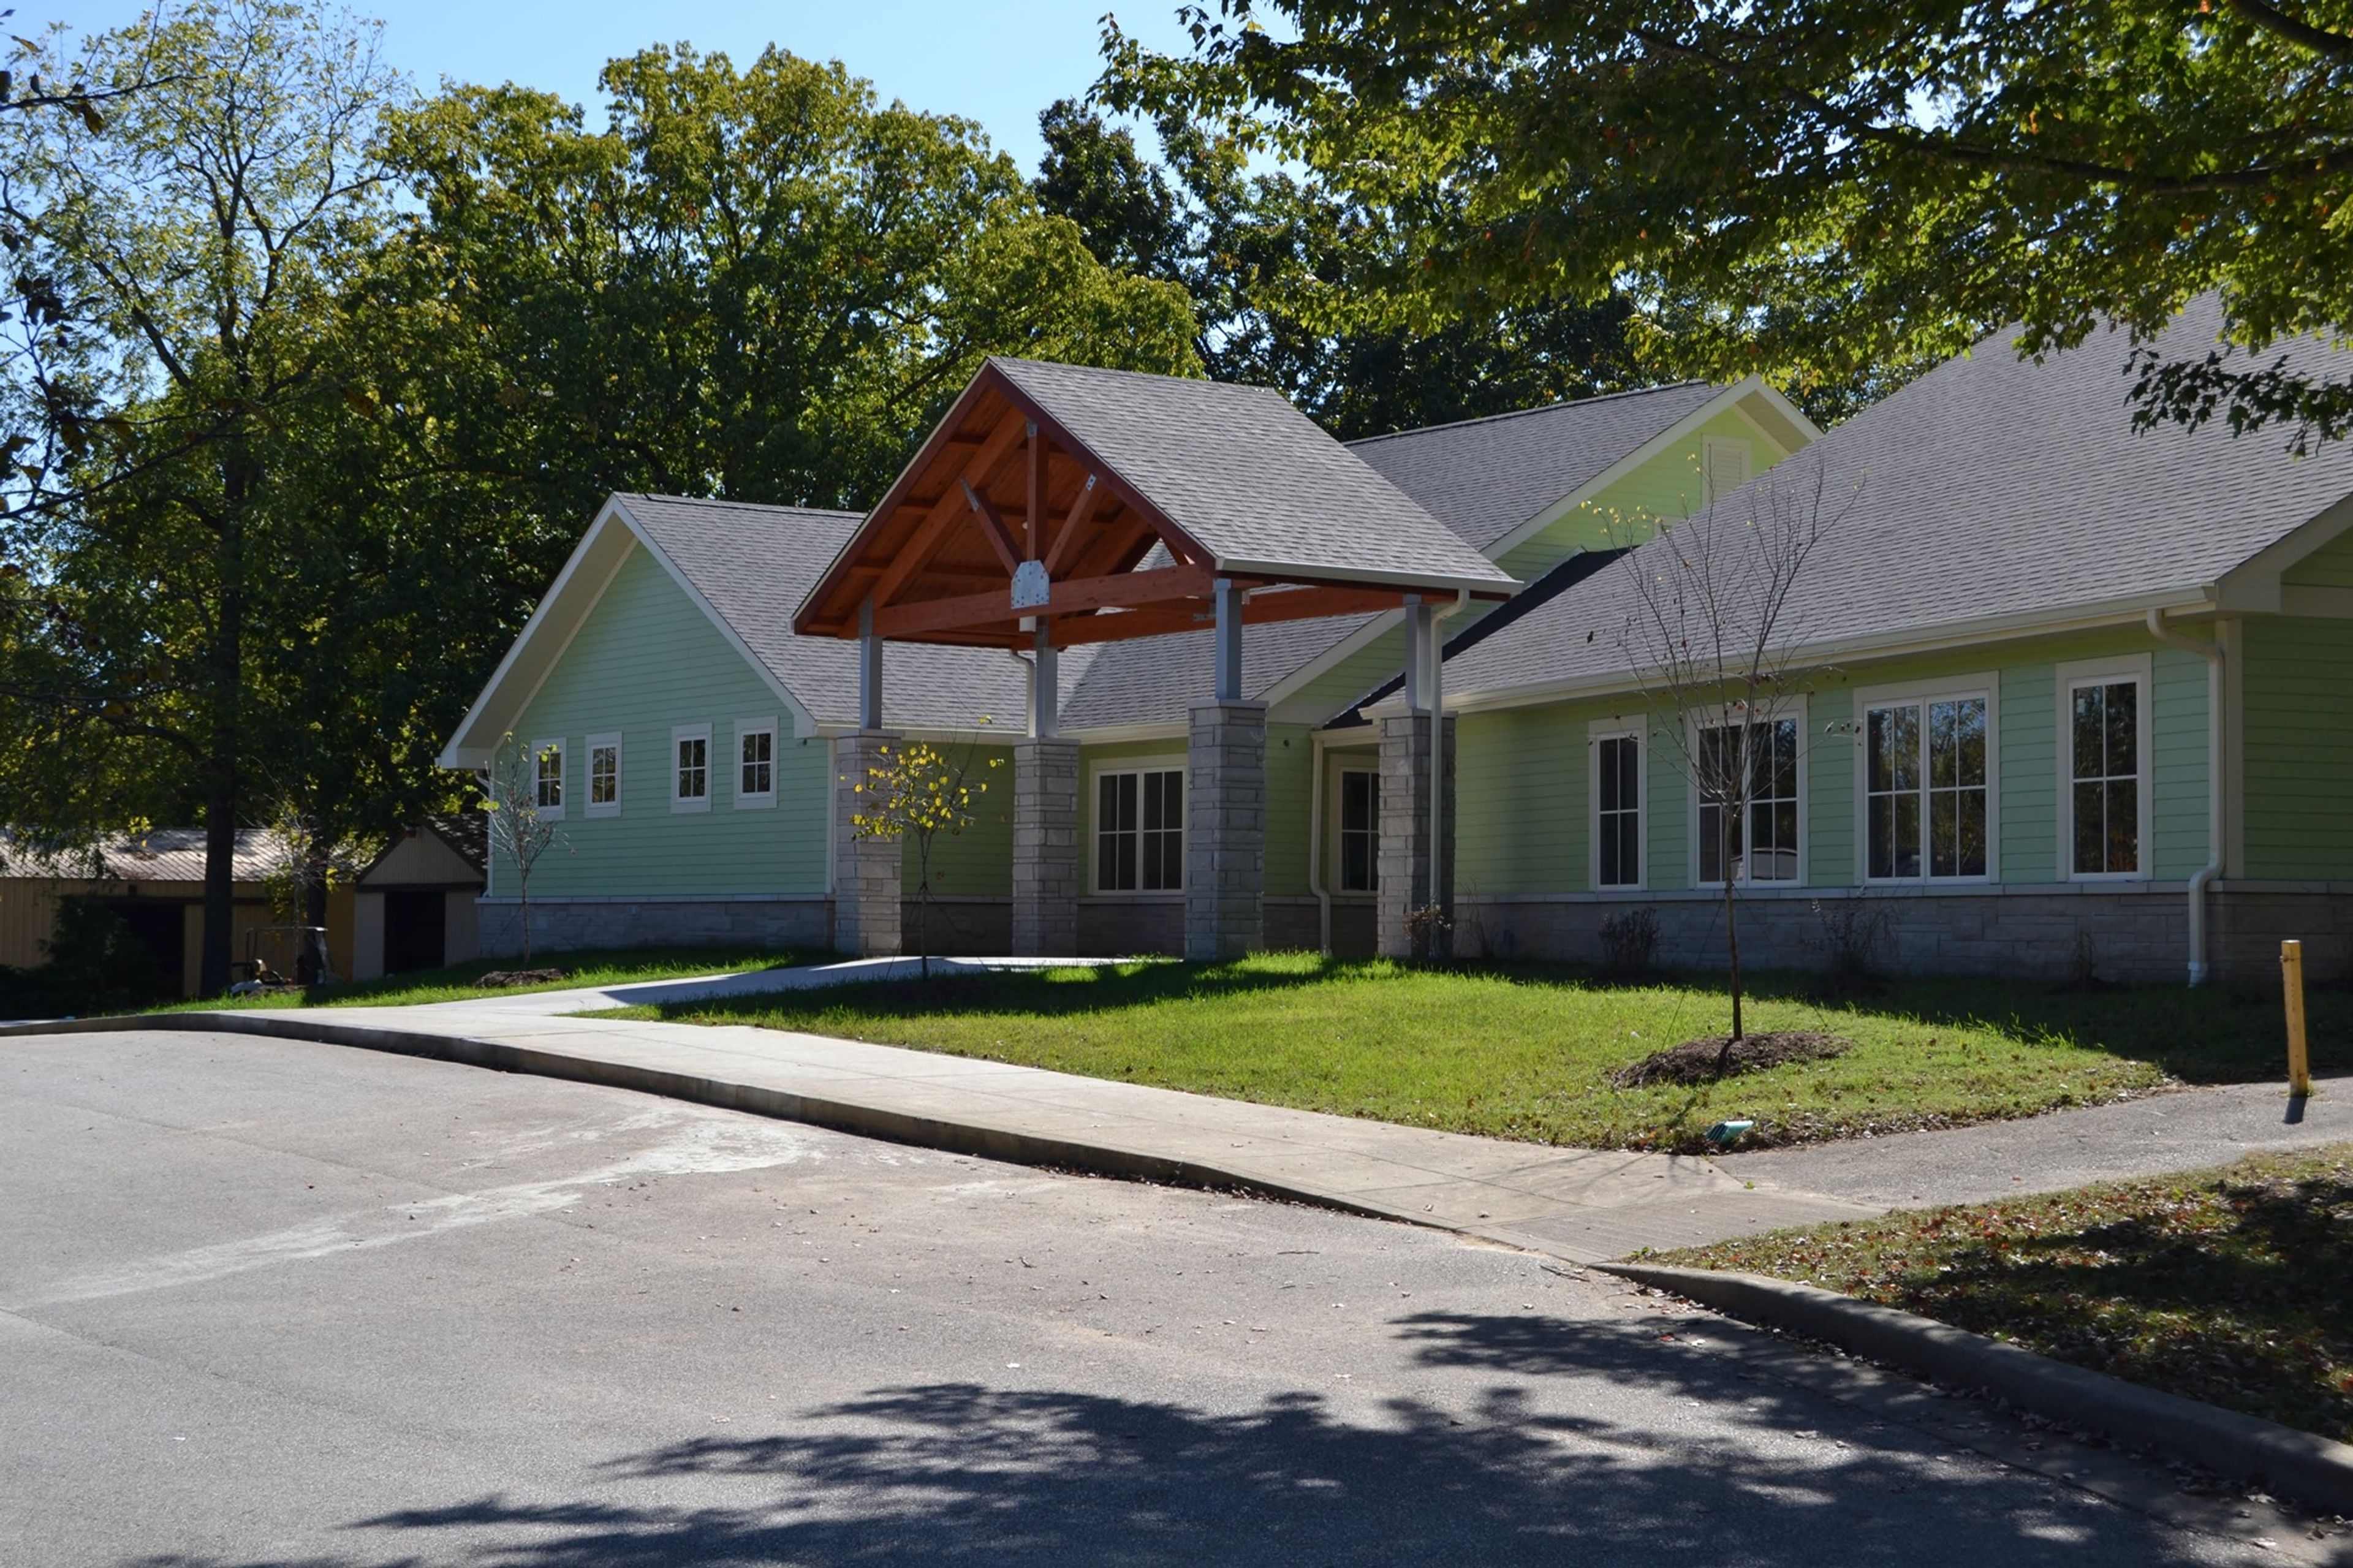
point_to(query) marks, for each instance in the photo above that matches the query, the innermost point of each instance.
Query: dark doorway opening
(161, 929)
(415, 931)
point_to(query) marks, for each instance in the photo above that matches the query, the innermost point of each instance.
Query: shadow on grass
(965, 1474)
(2211, 1036)
(2237, 1299)
(620, 963)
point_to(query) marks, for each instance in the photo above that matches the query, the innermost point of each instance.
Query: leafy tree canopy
(1289, 291)
(1836, 192)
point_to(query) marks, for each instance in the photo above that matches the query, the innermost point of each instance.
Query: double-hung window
(547, 779)
(1926, 787)
(756, 763)
(2106, 745)
(1360, 830)
(1747, 781)
(605, 775)
(1140, 830)
(691, 778)
(1618, 810)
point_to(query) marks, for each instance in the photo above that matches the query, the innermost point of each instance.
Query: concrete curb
(1014, 1148)
(2302, 1464)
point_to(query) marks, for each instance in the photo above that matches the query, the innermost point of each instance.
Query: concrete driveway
(268, 1302)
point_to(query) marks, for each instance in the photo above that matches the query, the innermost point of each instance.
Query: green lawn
(610, 966)
(2226, 1286)
(1523, 1051)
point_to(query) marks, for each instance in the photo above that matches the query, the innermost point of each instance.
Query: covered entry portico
(1056, 506)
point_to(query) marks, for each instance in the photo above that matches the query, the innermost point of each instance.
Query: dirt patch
(500, 979)
(1699, 1061)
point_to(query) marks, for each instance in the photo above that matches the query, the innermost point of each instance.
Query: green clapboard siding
(1350, 682)
(977, 862)
(1667, 485)
(2028, 726)
(2330, 566)
(1520, 787)
(647, 660)
(2298, 810)
(1830, 744)
(2178, 757)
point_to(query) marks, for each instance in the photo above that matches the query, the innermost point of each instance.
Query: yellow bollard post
(2299, 1062)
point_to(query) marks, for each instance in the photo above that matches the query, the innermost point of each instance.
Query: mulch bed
(1704, 1061)
(499, 979)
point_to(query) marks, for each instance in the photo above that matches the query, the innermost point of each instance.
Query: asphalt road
(272, 1303)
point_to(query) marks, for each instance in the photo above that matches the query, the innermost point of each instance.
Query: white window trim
(1340, 828)
(1794, 710)
(589, 805)
(1709, 448)
(1597, 732)
(2137, 668)
(1987, 686)
(684, 804)
(563, 780)
(1156, 764)
(766, 800)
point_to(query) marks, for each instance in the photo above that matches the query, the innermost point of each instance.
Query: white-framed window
(1925, 780)
(1360, 830)
(1618, 796)
(604, 775)
(2103, 758)
(690, 774)
(1726, 460)
(1140, 828)
(1766, 838)
(547, 779)
(756, 763)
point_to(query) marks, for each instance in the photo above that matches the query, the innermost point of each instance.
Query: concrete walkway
(1586, 1206)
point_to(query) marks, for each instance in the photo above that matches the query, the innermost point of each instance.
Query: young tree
(517, 789)
(1837, 192)
(199, 233)
(1714, 639)
(915, 794)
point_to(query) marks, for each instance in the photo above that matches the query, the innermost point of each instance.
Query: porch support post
(1045, 685)
(870, 669)
(866, 871)
(1404, 863)
(1045, 847)
(1225, 822)
(1417, 656)
(1229, 640)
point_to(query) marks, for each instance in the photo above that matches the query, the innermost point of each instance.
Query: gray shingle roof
(1251, 479)
(755, 563)
(163, 854)
(1484, 478)
(1989, 488)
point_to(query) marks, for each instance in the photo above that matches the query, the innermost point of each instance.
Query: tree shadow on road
(966, 1474)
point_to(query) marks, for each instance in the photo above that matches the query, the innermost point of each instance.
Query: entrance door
(415, 931)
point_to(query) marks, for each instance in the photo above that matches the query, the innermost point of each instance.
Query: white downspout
(2216, 821)
(1438, 743)
(1315, 842)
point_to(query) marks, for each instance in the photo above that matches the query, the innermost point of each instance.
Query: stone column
(1225, 830)
(1403, 863)
(1045, 847)
(866, 878)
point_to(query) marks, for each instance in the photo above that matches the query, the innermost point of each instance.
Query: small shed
(415, 907)
(154, 881)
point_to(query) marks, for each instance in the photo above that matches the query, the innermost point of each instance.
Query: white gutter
(1438, 745)
(1316, 841)
(2215, 822)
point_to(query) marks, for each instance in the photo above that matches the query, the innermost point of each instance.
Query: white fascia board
(1496, 581)
(982, 734)
(588, 572)
(804, 722)
(1121, 735)
(2130, 611)
(2253, 586)
(1726, 398)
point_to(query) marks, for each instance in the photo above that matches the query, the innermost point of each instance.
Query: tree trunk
(1731, 935)
(220, 798)
(310, 963)
(923, 907)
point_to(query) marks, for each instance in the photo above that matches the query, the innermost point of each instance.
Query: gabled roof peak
(1598, 399)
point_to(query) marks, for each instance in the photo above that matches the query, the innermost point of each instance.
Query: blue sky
(996, 63)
